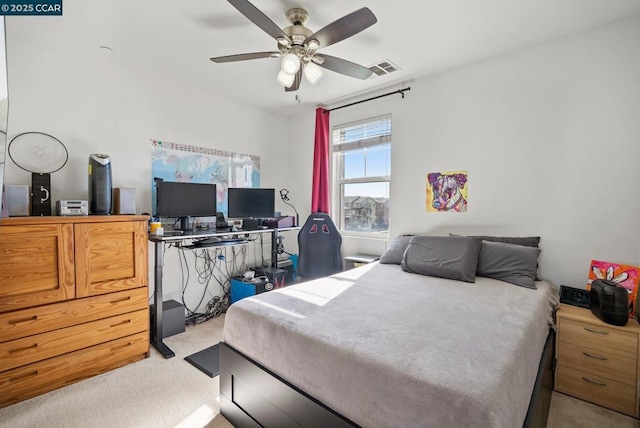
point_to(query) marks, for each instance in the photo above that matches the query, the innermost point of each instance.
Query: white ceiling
(175, 39)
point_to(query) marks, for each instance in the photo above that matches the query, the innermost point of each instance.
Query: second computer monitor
(250, 202)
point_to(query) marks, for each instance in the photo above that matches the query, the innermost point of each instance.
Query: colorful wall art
(447, 191)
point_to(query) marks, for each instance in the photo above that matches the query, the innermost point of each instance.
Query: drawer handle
(594, 381)
(25, 319)
(596, 331)
(11, 351)
(123, 299)
(598, 357)
(121, 323)
(124, 345)
(15, 378)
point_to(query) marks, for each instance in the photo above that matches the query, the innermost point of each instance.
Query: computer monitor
(250, 202)
(184, 200)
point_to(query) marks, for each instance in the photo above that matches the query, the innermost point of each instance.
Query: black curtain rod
(399, 91)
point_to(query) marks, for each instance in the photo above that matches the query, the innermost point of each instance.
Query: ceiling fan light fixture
(283, 42)
(312, 73)
(290, 64)
(285, 79)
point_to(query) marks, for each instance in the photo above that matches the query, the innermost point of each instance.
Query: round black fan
(40, 154)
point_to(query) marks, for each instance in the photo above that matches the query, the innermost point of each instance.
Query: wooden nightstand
(596, 361)
(357, 260)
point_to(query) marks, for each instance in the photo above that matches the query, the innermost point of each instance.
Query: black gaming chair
(319, 243)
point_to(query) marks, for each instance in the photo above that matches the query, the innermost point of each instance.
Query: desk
(160, 240)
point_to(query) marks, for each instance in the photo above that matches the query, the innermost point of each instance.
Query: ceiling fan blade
(245, 57)
(296, 83)
(344, 27)
(260, 19)
(343, 66)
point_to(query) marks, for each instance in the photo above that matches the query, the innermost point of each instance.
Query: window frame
(339, 181)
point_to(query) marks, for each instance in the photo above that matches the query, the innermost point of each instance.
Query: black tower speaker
(40, 194)
(100, 184)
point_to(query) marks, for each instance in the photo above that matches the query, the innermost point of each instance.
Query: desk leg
(156, 334)
(274, 248)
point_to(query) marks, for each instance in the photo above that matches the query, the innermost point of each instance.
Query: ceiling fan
(298, 45)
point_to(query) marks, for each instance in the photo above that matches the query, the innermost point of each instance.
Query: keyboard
(215, 241)
(230, 240)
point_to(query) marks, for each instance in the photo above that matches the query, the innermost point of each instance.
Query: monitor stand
(184, 224)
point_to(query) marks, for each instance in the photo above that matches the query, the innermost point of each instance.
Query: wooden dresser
(596, 361)
(73, 300)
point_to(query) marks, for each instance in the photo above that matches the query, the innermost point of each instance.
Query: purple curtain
(320, 189)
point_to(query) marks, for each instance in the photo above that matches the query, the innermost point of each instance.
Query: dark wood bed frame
(252, 396)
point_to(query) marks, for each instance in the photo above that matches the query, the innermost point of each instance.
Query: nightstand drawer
(596, 389)
(598, 362)
(599, 337)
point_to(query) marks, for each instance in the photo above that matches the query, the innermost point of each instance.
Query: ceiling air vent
(383, 67)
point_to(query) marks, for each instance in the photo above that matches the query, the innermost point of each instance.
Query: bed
(382, 345)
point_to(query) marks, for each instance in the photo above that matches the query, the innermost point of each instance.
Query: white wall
(549, 136)
(94, 103)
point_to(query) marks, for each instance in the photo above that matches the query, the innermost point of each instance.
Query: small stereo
(72, 207)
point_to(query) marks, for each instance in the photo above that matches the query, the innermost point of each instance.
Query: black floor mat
(207, 360)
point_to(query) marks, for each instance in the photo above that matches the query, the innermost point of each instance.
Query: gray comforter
(387, 348)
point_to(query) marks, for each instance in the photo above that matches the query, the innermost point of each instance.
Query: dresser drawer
(37, 378)
(599, 337)
(596, 389)
(597, 362)
(30, 349)
(28, 322)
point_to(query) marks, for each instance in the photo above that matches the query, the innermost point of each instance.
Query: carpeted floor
(158, 393)
(153, 393)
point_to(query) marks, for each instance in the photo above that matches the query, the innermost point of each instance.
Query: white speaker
(16, 198)
(124, 200)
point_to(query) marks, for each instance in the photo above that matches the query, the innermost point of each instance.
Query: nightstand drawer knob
(598, 357)
(594, 381)
(596, 331)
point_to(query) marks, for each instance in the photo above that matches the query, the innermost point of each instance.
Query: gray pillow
(512, 263)
(452, 257)
(393, 253)
(529, 241)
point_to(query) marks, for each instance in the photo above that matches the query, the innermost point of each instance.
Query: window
(362, 161)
